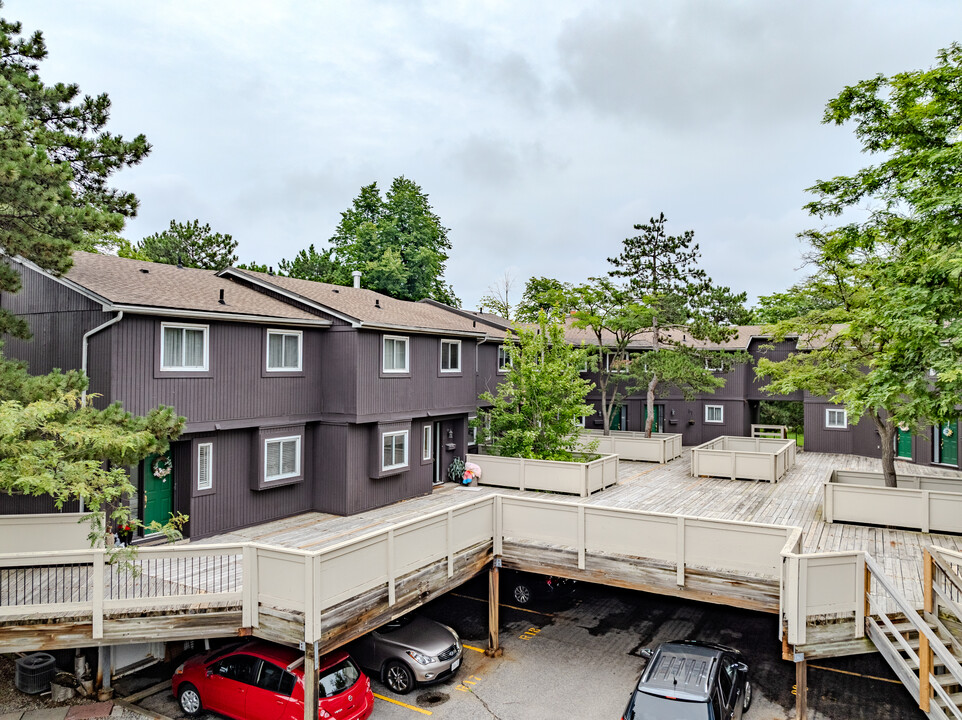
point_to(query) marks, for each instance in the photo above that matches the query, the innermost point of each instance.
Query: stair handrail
(941, 558)
(935, 643)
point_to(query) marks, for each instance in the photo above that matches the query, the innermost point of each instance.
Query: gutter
(209, 315)
(83, 361)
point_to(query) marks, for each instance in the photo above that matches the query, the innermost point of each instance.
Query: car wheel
(189, 699)
(747, 697)
(522, 594)
(398, 677)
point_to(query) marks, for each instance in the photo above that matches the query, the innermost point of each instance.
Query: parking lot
(579, 656)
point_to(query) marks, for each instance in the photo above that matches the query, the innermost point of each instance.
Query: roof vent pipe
(221, 299)
(377, 303)
(357, 278)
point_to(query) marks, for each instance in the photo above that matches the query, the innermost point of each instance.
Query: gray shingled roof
(136, 283)
(370, 308)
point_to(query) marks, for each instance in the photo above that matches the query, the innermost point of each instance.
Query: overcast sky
(542, 131)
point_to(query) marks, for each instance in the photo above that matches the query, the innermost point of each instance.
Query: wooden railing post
(867, 606)
(99, 591)
(680, 552)
(925, 670)
(927, 580)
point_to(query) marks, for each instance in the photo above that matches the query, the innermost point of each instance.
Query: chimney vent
(270, 270)
(221, 300)
(357, 278)
(377, 302)
(180, 262)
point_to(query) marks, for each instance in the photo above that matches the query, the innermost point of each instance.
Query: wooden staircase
(924, 650)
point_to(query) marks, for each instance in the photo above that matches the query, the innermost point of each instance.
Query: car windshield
(337, 678)
(395, 624)
(656, 707)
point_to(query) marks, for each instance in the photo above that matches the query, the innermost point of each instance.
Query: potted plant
(125, 533)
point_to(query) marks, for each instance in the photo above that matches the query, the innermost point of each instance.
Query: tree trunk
(650, 420)
(886, 432)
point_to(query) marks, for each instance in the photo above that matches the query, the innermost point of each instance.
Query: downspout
(87, 335)
(83, 362)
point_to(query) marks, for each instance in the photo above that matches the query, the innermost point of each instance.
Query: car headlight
(179, 670)
(423, 659)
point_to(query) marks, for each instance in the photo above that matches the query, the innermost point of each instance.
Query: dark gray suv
(689, 680)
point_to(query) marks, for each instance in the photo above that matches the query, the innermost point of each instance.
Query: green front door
(615, 423)
(158, 489)
(656, 424)
(903, 444)
(948, 443)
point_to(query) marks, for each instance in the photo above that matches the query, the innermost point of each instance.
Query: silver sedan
(409, 651)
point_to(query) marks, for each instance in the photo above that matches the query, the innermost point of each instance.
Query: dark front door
(903, 444)
(948, 443)
(616, 416)
(158, 489)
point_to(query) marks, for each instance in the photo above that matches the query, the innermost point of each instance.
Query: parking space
(579, 656)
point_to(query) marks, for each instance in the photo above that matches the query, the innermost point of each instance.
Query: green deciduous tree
(543, 293)
(794, 302)
(56, 157)
(689, 315)
(535, 410)
(54, 442)
(894, 273)
(613, 319)
(397, 242)
(189, 244)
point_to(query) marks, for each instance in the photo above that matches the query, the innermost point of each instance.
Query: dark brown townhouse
(298, 395)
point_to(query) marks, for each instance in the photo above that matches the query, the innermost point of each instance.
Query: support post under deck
(494, 648)
(310, 681)
(801, 688)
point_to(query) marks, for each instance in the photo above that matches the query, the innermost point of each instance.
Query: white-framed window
(395, 354)
(472, 430)
(836, 418)
(714, 413)
(183, 347)
(713, 364)
(394, 450)
(580, 421)
(284, 350)
(504, 359)
(451, 356)
(618, 363)
(205, 466)
(426, 445)
(282, 458)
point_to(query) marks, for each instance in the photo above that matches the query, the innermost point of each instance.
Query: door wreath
(161, 467)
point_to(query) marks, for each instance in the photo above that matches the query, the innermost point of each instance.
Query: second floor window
(284, 350)
(504, 359)
(450, 356)
(395, 354)
(714, 413)
(183, 347)
(282, 458)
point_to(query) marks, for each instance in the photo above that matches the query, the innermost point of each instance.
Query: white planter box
(575, 478)
(47, 532)
(659, 448)
(741, 457)
(923, 503)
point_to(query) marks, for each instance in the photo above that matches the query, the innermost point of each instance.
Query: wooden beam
(494, 648)
(310, 680)
(801, 689)
(927, 580)
(925, 669)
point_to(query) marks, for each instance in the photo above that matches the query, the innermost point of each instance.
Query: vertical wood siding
(237, 388)
(233, 504)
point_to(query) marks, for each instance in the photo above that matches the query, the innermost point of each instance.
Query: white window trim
(472, 430)
(210, 466)
(836, 426)
(407, 354)
(297, 458)
(395, 433)
(503, 352)
(710, 368)
(185, 368)
(721, 413)
(441, 358)
(300, 350)
(427, 444)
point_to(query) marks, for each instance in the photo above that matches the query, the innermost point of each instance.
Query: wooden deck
(795, 500)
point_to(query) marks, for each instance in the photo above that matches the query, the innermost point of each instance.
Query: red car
(262, 681)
